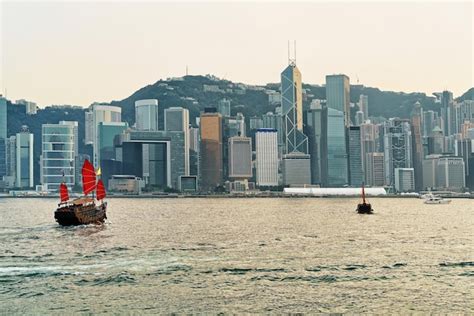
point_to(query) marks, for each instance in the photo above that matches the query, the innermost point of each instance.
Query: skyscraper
(316, 129)
(450, 173)
(446, 112)
(292, 110)
(417, 145)
(211, 150)
(223, 107)
(267, 156)
(397, 147)
(3, 135)
(240, 158)
(337, 95)
(364, 106)
(275, 121)
(24, 159)
(356, 173)
(374, 171)
(404, 179)
(57, 159)
(177, 119)
(146, 115)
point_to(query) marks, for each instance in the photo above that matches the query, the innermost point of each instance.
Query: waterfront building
(430, 165)
(267, 157)
(417, 145)
(240, 157)
(3, 136)
(10, 161)
(177, 119)
(356, 172)
(107, 132)
(211, 159)
(316, 130)
(296, 169)
(24, 159)
(194, 146)
(364, 106)
(397, 147)
(375, 175)
(404, 179)
(223, 107)
(146, 115)
(292, 110)
(368, 144)
(126, 184)
(450, 174)
(188, 183)
(58, 156)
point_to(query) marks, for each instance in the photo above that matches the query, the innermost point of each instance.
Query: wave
(457, 264)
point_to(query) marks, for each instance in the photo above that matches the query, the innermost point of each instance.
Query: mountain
(468, 95)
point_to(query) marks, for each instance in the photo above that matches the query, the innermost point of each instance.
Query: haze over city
(77, 52)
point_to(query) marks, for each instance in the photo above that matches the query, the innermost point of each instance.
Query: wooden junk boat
(83, 210)
(364, 207)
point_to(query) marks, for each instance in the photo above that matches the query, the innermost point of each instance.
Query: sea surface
(257, 255)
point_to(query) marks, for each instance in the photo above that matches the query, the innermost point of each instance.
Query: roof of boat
(82, 200)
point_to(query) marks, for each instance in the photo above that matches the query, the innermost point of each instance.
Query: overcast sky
(81, 52)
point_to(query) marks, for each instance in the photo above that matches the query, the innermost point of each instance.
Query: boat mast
(363, 193)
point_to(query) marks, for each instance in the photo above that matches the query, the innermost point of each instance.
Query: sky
(81, 52)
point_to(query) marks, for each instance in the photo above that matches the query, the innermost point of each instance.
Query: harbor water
(251, 255)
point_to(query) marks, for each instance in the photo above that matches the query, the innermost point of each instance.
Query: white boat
(433, 199)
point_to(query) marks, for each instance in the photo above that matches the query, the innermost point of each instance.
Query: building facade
(24, 160)
(356, 172)
(177, 119)
(211, 158)
(267, 157)
(146, 115)
(240, 157)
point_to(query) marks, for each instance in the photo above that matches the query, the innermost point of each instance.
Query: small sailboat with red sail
(86, 209)
(364, 207)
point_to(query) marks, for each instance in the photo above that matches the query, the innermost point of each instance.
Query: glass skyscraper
(24, 160)
(3, 136)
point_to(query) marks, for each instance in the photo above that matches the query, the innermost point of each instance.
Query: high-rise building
(375, 175)
(211, 150)
(194, 145)
(275, 121)
(359, 118)
(30, 107)
(450, 174)
(267, 156)
(107, 132)
(177, 119)
(430, 165)
(404, 179)
(24, 159)
(337, 95)
(99, 113)
(223, 107)
(3, 136)
(57, 159)
(232, 126)
(146, 115)
(296, 169)
(240, 158)
(10, 149)
(364, 106)
(429, 122)
(417, 145)
(356, 173)
(436, 143)
(368, 144)
(315, 128)
(447, 112)
(397, 147)
(292, 110)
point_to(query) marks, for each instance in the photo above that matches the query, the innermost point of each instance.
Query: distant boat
(83, 210)
(434, 199)
(364, 207)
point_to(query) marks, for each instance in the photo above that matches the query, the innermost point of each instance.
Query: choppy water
(239, 255)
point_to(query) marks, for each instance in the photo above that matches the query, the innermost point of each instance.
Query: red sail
(100, 190)
(363, 193)
(63, 192)
(88, 177)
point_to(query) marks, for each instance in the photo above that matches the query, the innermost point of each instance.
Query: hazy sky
(81, 52)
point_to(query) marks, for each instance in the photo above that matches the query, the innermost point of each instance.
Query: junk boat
(364, 207)
(433, 199)
(83, 210)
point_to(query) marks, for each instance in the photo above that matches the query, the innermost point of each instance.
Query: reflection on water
(239, 255)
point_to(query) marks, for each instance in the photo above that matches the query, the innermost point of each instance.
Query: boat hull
(364, 208)
(71, 215)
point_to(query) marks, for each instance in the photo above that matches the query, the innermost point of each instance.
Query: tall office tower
(464, 149)
(428, 123)
(232, 126)
(275, 121)
(338, 118)
(194, 146)
(446, 112)
(464, 114)
(57, 159)
(356, 172)
(266, 146)
(211, 159)
(223, 107)
(375, 175)
(296, 169)
(3, 136)
(24, 159)
(177, 119)
(89, 127)
(240, 158)
(108, 133)
(404, 179)
(397, 147)
(337, 95)
(359, 118)
(430, 165)
(10, 160)
(417, 145)
(450, 174)
(364, 106)
(75, 125)
(436, 142)
(368, 144)
(146, 115)
(292, 110)
(99, 113)
(315, 128)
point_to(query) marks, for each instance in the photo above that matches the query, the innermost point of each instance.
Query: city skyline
(87, 60)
